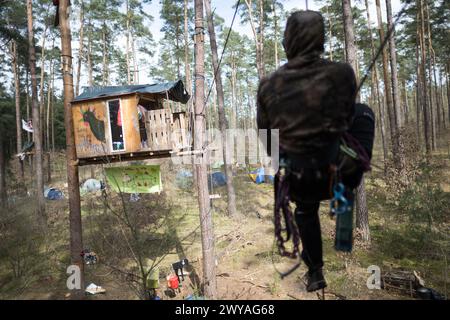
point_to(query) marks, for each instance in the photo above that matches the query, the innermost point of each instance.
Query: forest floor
(402, 238)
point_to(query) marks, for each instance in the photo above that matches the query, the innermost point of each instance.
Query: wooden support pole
(206, 224)
(76, 238)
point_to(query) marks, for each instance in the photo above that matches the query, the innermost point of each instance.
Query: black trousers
(314, 184)
(308, 222)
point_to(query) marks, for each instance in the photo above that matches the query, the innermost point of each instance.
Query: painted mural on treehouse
(90, 121)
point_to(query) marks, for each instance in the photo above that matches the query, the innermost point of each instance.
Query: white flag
(27, 126)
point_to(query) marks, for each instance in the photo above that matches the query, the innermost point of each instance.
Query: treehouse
(122, 123)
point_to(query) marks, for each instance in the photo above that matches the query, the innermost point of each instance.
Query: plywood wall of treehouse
(92, 127)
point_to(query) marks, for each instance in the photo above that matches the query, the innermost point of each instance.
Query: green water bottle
(344, 226)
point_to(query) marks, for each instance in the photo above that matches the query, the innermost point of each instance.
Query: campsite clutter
(89, 257)
(92, 185)
(94, 289)
(53, 193)
(25, 150)
(174, 281)
(184, 179)
(258, 176)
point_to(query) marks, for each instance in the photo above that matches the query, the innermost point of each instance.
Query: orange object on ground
(172, 282)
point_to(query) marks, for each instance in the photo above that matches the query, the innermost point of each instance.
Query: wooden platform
(136, 156)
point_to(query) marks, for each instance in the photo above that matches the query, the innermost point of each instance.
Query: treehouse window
(115, 121)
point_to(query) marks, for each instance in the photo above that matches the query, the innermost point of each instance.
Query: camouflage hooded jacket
(309, 99)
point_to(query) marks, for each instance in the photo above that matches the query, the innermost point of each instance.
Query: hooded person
(311, 101)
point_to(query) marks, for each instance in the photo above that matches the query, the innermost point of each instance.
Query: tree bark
(206, 223)
(362, 216)
(350, 50)
(399, 156)
(105, 56)
(447, 77)
(387, 83)
(127, 54)
(37, 135)
(49, 101)
(17, 101)
(259, 66)
(275, 27)
(135, 65)
(76, 238)
(3, 195)
(261, 37)
(221, 110)
(80, 49)
(330, 32)
(423, 84)
(376, 89)
(187, 68)
(41, 86)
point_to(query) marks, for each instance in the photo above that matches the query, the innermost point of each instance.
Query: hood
(304, 34)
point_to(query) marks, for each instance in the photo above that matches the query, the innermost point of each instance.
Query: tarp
(91, 185)
(175, 91)
(135, 179)
(53, 194)
(218, 179)
(258, 176)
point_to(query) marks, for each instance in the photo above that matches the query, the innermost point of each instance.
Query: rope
(223, 51)
(381, 48)
(282, 205)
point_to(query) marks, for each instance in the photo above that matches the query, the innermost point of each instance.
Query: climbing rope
(223, 51)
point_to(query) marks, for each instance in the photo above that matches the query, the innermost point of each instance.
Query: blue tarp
(218, 179)
(258, 176)
(53, 194)
(175, 91)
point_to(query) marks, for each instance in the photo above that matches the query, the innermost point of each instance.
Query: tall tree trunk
(221, 105)
(330, 32)
(261, 37)
(423, 85)
(433, 82)
(387, 83)
(80, 49)
(37, 135)
(376, 88)
(407, 107)
(27, 90)
(187, 68)
(259, 66)
(17, 101)
(127, 53)
(362, 216)
(135, 64)
(447, 78)
(75, 228)
(362, 212)
(3, 195)
(418, 92)
(49, 100)
(89, 56)
(206, 223)
(105, 56)
(399, 156)
(275, 27)
(41, 86)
